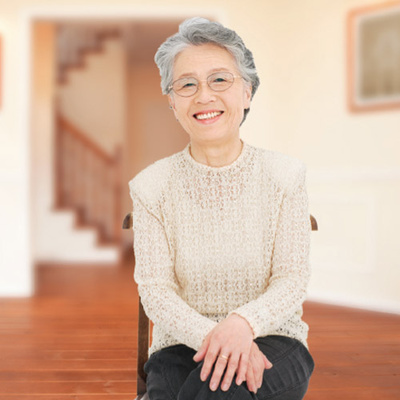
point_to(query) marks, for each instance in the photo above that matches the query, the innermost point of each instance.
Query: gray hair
(197, 31)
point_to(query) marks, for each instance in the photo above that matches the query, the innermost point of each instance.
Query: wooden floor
(76, 340)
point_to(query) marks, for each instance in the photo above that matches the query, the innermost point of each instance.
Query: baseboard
(385, 306)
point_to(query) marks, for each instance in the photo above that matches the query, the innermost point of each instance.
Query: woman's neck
(217, 155)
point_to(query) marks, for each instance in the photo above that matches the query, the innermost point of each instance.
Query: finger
(230, 372)
(219, 368)
(267, 364)
(202, 350)
(242, 369)
(260, 373)
(250, 380)
(256, 362)
(209, 360)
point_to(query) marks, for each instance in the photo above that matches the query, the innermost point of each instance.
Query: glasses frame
(171, 87)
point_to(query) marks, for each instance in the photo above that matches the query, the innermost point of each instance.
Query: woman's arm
(284, 296)
(290, 271)
(155, 276)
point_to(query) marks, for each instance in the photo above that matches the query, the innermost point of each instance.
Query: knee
(193, 385)
(196, 389)
(288, 378)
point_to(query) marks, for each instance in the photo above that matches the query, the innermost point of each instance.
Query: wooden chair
(143, 327)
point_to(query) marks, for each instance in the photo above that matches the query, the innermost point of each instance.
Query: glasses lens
(185, 87)
(220, 81)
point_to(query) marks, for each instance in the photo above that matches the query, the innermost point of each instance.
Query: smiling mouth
(209, 115)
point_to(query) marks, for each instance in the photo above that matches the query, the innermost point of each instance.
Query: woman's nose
(204, 93)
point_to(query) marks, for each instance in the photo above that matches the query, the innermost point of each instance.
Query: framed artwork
(373, 59)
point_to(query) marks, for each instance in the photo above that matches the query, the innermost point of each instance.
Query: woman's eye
(188, 85)
(219, 80)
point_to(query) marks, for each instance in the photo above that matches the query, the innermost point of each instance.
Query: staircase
(75, 41)
(87, 179)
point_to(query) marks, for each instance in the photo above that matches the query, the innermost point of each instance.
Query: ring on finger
(224, 357)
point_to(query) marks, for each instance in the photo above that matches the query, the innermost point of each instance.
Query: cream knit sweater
(212, 241)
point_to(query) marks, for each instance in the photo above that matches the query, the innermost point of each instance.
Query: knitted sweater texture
(213, 241)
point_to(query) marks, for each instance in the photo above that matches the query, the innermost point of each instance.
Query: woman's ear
(171, 102)
(247, 96)
(172, 105)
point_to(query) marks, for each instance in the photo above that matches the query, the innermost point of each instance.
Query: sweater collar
(243, 156)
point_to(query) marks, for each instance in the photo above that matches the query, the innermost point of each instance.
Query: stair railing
(88, 180)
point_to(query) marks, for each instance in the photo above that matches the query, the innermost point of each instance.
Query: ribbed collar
(235, 165)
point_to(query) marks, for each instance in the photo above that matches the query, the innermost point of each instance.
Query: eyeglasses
(219, 82)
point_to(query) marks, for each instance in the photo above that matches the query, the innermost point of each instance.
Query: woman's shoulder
(152, 180)
(282, 169)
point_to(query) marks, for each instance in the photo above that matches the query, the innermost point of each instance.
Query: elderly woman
(221, 237)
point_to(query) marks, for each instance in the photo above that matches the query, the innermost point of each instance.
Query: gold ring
(224, 357)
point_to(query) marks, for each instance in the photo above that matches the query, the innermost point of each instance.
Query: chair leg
(143, 347)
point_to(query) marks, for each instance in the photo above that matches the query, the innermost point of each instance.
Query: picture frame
(1, 72)
(373, 58)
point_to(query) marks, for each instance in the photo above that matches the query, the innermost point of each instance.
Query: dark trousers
(173, 375)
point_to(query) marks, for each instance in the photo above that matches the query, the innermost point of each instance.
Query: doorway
(59, 237)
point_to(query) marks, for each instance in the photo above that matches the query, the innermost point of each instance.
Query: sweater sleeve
(156, 279)
(290, 270)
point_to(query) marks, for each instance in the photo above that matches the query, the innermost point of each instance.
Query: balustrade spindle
(88, 180)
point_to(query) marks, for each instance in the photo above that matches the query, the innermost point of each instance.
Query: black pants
(173, 375)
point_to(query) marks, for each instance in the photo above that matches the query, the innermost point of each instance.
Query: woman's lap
(291, 371)
(167, 371)
(173, 375)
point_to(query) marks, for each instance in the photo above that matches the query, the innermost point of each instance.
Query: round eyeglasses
(219, 82)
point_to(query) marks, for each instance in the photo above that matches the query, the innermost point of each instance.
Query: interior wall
(153, 132)
(42, 122)
(94, 96)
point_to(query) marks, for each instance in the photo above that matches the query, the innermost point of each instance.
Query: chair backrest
(144, 325)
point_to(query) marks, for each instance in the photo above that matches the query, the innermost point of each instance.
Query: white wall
(16, 276)
(353, 159)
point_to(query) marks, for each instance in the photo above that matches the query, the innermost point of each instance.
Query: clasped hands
(230, 347)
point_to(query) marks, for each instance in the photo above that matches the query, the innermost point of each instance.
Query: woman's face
(226, 108)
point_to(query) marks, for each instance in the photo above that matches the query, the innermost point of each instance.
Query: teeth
(208, 115)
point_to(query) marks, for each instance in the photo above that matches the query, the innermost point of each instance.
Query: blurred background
(82, 112)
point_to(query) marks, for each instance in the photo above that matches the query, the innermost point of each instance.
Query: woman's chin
(212, 138)
(212, 133)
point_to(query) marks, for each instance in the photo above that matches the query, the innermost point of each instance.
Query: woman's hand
(255, 369)
(228, 346)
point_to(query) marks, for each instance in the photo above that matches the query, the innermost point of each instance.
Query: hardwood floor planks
(76, 340)
(357, 353)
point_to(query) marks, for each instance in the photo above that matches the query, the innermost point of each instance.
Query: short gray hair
(197, 31)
